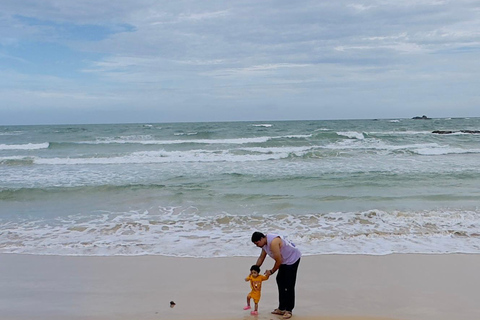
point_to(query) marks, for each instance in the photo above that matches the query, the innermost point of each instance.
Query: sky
(122, 61)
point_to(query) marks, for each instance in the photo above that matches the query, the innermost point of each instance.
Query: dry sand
(346, 287)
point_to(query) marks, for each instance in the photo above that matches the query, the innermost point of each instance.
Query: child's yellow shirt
(256, 283)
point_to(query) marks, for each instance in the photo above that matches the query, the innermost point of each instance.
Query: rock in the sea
(461, 131)
(424, 117)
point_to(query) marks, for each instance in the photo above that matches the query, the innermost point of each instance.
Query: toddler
(255, 279)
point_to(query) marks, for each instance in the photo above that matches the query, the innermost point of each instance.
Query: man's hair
(256, 236)
(255, 268)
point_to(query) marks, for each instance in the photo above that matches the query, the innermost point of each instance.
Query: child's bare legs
(248, 303)
(248, 306)
(255, 312)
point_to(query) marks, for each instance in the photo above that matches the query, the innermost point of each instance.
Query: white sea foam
(167, 142)
(266, 125)
(279, 150)
(11, 133)
(376, 144)
(123, 139)
(15, 159)
(352, 135)
(199, 155)
(245, 154)
(185, 134)
(27, 146)
(295, 136)
(148, 140)
(185, 232)
(442, 150)
(395, 133)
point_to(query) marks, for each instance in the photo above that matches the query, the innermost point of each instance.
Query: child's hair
(255, 268)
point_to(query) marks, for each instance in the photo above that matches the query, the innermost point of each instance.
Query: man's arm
(277, 256)
(261, 258)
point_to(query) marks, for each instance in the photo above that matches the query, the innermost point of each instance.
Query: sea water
(201, 189)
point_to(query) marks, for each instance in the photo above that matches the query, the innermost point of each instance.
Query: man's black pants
(286, 278)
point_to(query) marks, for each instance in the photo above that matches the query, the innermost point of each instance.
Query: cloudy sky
(104, 61)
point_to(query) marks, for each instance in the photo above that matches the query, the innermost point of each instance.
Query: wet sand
(329, 287)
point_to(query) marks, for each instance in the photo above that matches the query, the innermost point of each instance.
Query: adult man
(287, 259)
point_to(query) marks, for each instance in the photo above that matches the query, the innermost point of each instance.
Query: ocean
(200, 189)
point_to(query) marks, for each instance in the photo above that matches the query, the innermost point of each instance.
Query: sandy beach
(353, 287)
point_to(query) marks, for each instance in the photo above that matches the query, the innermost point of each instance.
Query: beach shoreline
(397, 286)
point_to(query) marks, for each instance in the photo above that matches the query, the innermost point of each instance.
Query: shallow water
(201, 189)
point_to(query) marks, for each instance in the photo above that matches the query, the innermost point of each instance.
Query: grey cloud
(316, 54)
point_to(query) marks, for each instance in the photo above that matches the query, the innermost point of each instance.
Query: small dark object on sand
(172, 304)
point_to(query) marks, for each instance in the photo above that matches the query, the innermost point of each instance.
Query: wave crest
(27, 146)
(184, 231)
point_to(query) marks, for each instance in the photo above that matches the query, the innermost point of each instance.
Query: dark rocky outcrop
(460, 131)
(424, 117)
